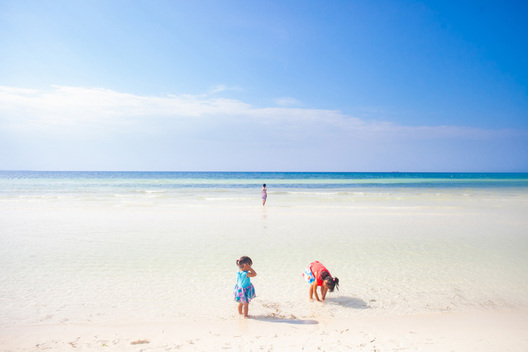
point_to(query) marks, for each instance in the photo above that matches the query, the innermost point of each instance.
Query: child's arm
(314, 289)
(251, 272)
(324, 290)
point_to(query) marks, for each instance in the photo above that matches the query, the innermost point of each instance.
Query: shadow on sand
(348, 302)
(271, 319)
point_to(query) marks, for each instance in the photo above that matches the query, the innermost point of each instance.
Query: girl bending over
(316, 274)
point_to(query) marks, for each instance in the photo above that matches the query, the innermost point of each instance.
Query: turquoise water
(239, 188)
(138, 246)
(13, 180)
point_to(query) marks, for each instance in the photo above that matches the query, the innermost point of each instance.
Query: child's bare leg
(240, 308)
(246, 309)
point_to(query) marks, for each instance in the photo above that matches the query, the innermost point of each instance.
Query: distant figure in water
(244, 290)
(264, 194)
(317, 275)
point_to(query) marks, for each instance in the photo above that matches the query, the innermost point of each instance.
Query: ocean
(81, 247)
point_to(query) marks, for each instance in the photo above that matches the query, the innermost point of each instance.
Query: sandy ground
(475, 331)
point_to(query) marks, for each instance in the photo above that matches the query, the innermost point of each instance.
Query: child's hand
(251, 272)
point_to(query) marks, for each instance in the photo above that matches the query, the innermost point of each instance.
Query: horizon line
(252, 171)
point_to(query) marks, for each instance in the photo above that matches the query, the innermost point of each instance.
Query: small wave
(149, 191)
(225, 199)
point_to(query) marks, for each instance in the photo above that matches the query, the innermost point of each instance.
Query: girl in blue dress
(244, 290)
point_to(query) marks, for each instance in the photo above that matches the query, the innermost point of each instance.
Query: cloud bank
(207, 127)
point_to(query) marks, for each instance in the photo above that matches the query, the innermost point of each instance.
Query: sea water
(78, 247)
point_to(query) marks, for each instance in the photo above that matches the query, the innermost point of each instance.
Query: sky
(366, 86)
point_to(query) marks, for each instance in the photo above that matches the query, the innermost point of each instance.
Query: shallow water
(73, 252)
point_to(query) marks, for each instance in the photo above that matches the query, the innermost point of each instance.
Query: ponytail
(331, 282)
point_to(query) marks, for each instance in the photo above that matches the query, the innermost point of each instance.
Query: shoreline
(458, 331)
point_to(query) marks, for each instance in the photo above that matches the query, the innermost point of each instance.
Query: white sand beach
(470, 331)
(420, 271)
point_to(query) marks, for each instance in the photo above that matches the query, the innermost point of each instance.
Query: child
(244, 290)
(317, 275)
(264, 194)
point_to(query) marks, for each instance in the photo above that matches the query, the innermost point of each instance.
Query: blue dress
(244, 290)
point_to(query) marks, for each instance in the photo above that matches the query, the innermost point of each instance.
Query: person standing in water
(264, 194)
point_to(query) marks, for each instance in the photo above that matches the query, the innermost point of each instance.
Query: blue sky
(264, 85)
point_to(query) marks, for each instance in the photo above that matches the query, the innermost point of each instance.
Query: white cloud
(222, 88)
(84, 108)
(100, 129)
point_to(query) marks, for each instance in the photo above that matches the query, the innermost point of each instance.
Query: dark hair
(264, 185)
(244, 260)
(331, 282)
